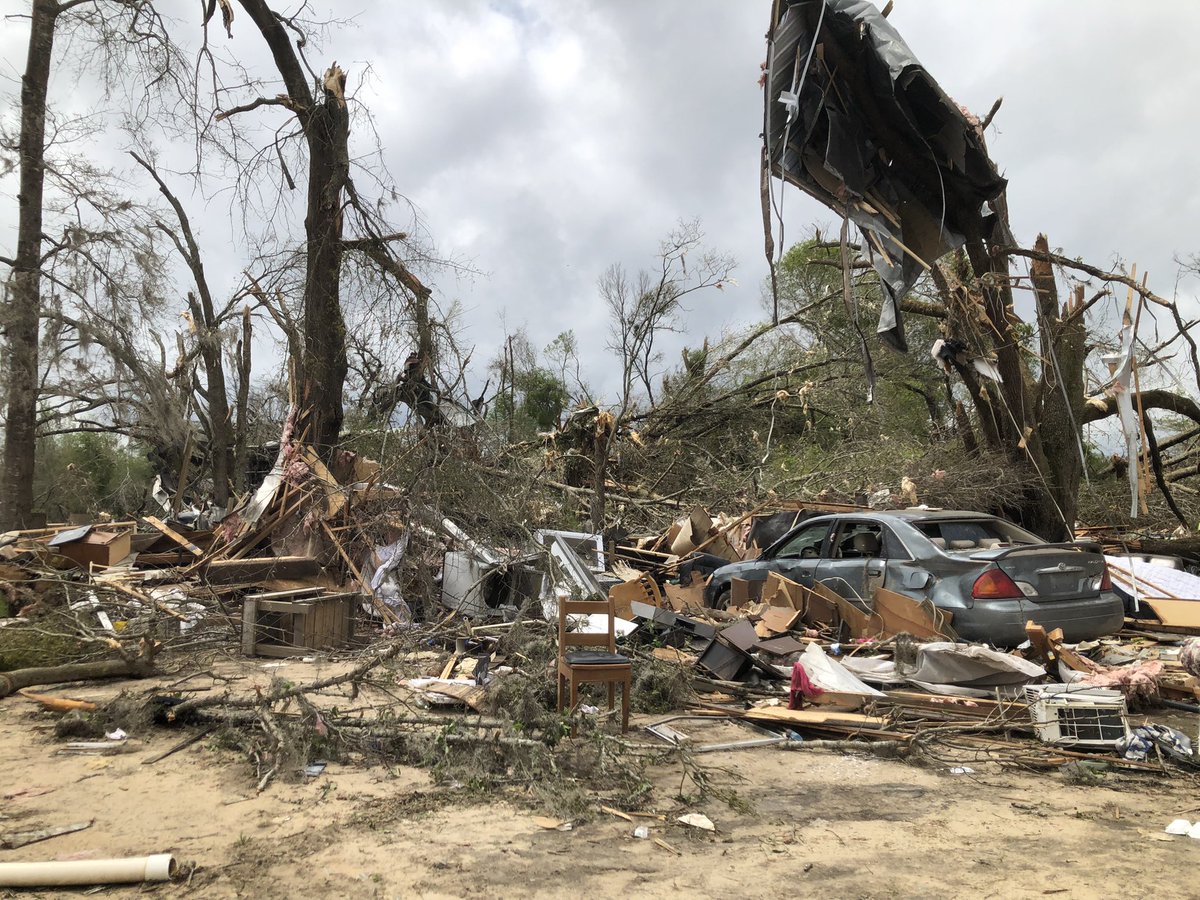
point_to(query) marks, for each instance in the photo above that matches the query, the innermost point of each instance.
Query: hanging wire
(799, 77)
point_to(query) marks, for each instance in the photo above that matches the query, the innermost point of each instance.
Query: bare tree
(24, 307)
(112, 25)
(644, 307)
(640, 310)
(207, 323)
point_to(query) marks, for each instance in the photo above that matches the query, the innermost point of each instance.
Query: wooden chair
(598, 661)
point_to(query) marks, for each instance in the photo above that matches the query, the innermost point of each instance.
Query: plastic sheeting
(970, 665)
(829, 675)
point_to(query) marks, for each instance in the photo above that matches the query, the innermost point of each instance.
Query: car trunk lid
(1049, 572)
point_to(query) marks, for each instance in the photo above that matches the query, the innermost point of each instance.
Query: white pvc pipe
(159, 867)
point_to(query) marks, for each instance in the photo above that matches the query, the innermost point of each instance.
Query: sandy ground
(801, 824)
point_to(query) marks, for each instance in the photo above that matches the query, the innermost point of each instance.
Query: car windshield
(974, 534)
(805, 543)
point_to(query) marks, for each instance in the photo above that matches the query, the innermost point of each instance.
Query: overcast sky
(543, 141)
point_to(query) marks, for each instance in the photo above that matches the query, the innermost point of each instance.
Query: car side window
(859, 540)
(892, 546)
(806, 543)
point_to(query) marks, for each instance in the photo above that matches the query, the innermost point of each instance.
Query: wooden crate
(286, 623)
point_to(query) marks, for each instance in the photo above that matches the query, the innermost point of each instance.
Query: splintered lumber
(59, 704)
(1050, 648)
(159, 525)
(253, 536)
(261, 568)
(385, 611)
(335, 494)
(470, 694)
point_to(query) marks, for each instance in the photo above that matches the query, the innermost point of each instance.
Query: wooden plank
(160, 525)
(1175, 613)
(249, 625)
(291, 607)
(470, 694)
(236, 571)
(335, 493)
(814, 717)
(385, 611)
(1050, 648)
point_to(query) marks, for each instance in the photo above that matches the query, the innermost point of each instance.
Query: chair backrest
(567, 639)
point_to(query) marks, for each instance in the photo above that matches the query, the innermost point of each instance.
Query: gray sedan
(992, 575)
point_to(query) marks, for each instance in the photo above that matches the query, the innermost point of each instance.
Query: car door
(798, 555)
(855, 564)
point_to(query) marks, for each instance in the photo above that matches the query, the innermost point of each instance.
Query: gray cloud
(544, 141)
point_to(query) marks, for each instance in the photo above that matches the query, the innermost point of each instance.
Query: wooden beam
(159, 525)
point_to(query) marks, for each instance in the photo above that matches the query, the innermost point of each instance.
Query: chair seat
(596, 658)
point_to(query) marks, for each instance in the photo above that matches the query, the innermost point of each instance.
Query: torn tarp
(969, 665)
(853, 119)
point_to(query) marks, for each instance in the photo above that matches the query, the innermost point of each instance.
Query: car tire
(720, 599)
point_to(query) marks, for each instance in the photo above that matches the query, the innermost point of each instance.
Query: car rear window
(956, 535)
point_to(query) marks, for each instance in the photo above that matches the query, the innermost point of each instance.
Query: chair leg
(625, 688)
(560, 692)
(574, 699)
(612, 695)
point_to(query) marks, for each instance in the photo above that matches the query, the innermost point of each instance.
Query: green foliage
(24, 647)
(543, 397)
(90, 473)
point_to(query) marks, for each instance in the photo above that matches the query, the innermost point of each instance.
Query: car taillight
(993, 584)
(1106, 580)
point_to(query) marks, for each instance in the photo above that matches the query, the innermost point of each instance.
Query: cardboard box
(101, 548)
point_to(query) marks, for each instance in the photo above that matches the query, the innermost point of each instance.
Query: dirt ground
(790, 824)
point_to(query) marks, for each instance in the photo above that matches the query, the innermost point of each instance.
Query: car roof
(912, 514)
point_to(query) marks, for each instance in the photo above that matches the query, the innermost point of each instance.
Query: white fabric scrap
(829, 675)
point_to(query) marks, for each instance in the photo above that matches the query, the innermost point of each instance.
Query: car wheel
(720, 600)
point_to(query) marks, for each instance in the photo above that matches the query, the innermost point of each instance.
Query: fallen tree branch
(140, 666)
(286, 692)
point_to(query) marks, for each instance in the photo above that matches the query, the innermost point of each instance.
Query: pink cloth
(801, 688)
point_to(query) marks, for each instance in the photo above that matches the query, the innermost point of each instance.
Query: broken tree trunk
(1059, 402)
(325, 121)
(241, 441)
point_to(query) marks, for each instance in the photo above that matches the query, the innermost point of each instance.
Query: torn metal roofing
(853, 119)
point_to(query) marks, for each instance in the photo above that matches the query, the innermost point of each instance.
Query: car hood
(737, 569)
